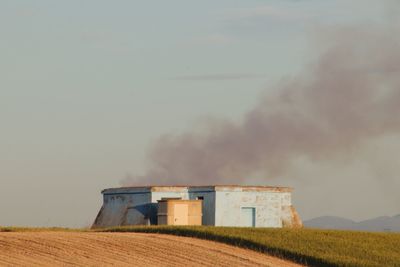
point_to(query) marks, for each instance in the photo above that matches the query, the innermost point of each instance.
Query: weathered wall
(221, 205)
(124, 209)
(155, 196)
(208, 205)
(270, 207)
(290, 217)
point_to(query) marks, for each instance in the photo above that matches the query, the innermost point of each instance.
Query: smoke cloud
(347, 98)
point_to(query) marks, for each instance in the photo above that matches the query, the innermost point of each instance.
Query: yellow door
(181, 214)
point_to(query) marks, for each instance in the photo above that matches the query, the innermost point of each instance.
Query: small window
(200, 198)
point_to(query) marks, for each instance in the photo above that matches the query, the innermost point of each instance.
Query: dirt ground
(122, 249)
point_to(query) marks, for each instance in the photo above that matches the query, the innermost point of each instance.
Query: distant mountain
(329, 222)
(379, 224)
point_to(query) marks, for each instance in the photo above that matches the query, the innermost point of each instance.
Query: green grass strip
(306, 246)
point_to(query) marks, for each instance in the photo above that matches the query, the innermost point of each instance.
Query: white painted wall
(155, 196)
(220, 208)
(268, 207)
(208, 206)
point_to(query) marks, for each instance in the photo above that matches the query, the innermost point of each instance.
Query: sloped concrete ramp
(123, 249)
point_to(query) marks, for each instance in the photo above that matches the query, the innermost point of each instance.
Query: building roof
(186, 188)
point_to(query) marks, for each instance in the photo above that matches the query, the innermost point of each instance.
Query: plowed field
(122, 249)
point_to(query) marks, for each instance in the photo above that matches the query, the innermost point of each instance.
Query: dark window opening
(200, 198)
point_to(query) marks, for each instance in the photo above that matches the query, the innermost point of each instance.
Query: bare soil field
(123, 249)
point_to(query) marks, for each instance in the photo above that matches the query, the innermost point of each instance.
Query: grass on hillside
(307, 246)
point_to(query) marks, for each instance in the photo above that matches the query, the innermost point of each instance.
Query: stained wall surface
(269, 207)
(124, 209)
(190, 193)
(221, 205)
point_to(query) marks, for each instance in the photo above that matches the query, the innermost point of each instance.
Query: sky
(87, 87)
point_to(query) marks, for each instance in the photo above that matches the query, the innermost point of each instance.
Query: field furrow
(122, 249)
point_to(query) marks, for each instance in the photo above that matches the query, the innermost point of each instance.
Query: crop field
(64, 247)
(305, 246)
(196, 246)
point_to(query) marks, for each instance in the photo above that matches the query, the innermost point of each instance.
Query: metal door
(181, 214)
(248, 217)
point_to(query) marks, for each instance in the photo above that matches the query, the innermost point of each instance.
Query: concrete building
(222, 205)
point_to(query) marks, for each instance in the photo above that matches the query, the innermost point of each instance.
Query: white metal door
(248, 217)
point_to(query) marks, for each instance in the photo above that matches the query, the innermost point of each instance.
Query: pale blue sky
(85, 86)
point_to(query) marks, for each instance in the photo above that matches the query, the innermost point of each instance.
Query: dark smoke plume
(347, 98)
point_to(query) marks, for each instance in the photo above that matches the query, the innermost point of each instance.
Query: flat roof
(186, 188)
